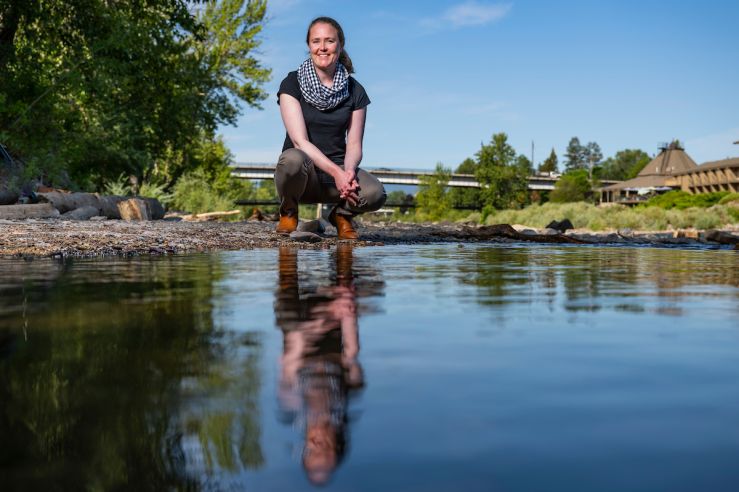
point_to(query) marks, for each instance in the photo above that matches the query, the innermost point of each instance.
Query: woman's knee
(291, 162)
(372, 195)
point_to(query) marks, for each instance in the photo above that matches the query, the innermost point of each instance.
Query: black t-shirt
(326, 129)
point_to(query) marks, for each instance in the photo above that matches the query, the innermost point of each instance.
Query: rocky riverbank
(64, 238)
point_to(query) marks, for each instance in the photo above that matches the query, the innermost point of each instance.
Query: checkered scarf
(318, 95)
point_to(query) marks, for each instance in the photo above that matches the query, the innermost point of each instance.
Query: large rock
(7, 197)
(82, 213)
(721, 237)
(561, 226)
(315, 226)
(107, 204)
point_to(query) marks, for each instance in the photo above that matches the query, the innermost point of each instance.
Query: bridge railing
(393, 176)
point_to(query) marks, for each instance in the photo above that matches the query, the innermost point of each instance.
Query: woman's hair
(344, 56)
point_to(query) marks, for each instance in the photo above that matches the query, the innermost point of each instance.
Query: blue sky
(444, 76)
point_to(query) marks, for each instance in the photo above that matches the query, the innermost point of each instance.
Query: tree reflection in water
(123, 380)
(320, 369)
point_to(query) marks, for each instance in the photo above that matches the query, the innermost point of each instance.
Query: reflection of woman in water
(319, 362)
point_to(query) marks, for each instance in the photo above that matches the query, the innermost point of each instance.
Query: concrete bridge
(394, 176)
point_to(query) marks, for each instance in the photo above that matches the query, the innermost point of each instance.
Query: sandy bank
(53, 237)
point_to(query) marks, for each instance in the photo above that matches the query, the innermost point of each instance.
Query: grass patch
(587, 216)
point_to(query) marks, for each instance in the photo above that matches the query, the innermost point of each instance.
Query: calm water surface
(424, 368)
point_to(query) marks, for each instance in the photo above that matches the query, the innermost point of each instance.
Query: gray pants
(298, 180)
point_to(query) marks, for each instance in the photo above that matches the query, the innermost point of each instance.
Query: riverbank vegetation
(89, 93)
(505, 199)
(643, 218)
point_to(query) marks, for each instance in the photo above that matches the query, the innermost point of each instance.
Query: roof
(671, 160)
(723, 163)
(649, 181)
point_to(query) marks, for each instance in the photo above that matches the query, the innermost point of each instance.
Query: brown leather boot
(344, 227)
(288, 223)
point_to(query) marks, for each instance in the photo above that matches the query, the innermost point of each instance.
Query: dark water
(480, 368)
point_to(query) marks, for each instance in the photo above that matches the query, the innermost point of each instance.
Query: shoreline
(38, 238)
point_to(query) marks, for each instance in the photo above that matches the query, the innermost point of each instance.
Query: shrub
(571, 187)
(195, 193)
(153, 190)
(588, 216)
(730, 198)
(683, 200)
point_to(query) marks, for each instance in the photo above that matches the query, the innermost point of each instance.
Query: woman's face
(323, 43)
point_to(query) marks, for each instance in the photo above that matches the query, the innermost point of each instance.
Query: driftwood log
(133, 209)
(107, 205)
(210, 215)
(35, 211)
(506, 231)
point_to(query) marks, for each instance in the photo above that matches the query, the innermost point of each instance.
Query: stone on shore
(561, 225)
(82, 213)
(314, 226)
(304, 236)
(721, 237)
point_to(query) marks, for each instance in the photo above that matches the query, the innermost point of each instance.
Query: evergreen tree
(550, 163)
(592, 154)
(574, 155)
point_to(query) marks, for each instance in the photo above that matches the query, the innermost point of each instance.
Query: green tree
(625, 164)
(575, 155)
(502, 175)
(432, 199)
(90, 91)
(573, 186)
(592, 154)
(550, 163)
(466, 197)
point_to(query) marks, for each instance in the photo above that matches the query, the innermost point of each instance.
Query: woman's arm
(292, 117)
(354, 138)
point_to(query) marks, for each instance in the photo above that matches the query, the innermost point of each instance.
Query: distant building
(720, 175)
(653, 179)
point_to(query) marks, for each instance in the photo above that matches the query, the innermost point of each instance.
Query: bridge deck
(390, 176)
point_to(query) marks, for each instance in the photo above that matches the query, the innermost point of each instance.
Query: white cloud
(470, 13)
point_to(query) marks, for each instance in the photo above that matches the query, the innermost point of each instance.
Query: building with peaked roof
(673, 169)
(656, 177)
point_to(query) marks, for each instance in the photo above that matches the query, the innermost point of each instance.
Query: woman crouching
(324, 110)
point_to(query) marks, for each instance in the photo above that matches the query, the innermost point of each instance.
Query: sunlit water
(426, 368)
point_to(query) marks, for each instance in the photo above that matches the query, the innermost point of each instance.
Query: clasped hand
(348, 186)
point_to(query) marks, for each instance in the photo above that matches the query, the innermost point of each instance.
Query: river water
(429, 368)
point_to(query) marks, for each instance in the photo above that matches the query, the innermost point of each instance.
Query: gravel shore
(60, 238)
